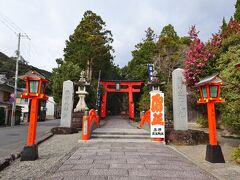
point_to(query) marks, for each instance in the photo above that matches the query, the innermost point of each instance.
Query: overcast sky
(50, 22)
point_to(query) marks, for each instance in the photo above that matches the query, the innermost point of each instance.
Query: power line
(10, 23)
(13, 27)
(9, 27)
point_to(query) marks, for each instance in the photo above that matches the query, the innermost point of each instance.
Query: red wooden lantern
(35, 90)
(35, 85)
(210, 89)
(210, 93)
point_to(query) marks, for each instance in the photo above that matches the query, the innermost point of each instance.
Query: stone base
(29, 153)
(64, 130)
(214, 154)
(189, 137)
(77, 120)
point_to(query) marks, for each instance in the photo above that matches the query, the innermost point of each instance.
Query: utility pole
(13, 117)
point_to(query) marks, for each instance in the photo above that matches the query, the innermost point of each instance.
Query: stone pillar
(180, 115)
(67, 104)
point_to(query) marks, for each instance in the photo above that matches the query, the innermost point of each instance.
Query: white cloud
(50, 22)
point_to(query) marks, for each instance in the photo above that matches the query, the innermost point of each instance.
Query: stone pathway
(122, 158)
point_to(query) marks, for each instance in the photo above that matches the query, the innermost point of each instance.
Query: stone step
(115, 131)
(119, 140)
(121, 133)
(120, 136)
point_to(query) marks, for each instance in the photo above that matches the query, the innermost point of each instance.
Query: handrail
(93, 117)
(145, 118)
(89, 123)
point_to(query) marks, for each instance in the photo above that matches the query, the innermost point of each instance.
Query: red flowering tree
(196, 57)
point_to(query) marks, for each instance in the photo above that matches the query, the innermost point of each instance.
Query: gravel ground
(52, 154)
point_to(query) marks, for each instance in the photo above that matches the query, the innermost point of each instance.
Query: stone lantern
(81, 105)
(81, 92)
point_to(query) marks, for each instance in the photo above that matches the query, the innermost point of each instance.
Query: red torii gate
(115, 86)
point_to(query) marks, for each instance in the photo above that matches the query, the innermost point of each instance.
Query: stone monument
(67, 104)
(180, 115)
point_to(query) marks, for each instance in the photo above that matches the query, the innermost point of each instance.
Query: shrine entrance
(116, 86)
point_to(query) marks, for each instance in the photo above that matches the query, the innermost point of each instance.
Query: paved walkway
(124, 159)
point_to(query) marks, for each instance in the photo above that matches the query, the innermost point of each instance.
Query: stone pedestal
(214, 154)
(29, 153)
(180, 115)
(77, 120)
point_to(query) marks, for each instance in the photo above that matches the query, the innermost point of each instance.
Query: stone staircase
(117, 129)
(120, 134)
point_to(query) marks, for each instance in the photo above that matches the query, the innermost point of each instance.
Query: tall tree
(142, 55)
(170, 48)
(224, 24)
(237, 11)
(90, 42)
(169, 56)
(65, 71)
(89, 45)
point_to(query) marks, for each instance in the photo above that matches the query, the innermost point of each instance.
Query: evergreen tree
(237, 11)
(170, 48)
(224, 24)
(65, 71)
(142, 55)
(150, 35)
(90, 42)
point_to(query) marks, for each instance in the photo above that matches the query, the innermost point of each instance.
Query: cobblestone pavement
(65, 157)
(127, 160)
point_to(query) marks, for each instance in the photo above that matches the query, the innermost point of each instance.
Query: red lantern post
(35, 90)
(210, 93)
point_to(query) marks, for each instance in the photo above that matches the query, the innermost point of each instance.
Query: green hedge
(236, 154)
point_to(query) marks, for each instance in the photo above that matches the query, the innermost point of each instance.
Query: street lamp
(210, 93)
(35, 90)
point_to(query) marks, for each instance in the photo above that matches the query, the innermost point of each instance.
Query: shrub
(202, 121)
(236, 154)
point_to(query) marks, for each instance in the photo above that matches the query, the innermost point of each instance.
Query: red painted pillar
(104, 105)
(33, 122)
(212, 123)
(130, 103)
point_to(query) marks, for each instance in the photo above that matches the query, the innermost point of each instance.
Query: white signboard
(157, 114)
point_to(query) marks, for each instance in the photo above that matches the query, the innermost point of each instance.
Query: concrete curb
(5, 162)
(45, 137)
